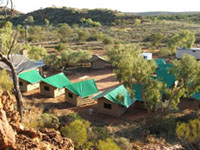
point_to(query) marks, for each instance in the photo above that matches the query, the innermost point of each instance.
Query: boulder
(7, 135)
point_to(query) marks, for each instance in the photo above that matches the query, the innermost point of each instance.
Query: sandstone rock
(30, 133)
(7, 135)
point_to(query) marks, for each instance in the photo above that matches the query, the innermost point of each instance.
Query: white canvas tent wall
(147, 56)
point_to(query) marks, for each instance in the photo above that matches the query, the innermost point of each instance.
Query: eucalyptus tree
(130, 67)
(8, 46)
(184, 39)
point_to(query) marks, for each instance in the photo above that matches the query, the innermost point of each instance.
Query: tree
(107, 144)
(64, 31)
(184, 39)
(37, 52)
(5, 83)
(73, 58)
(7, 48)
(46, 21)
(131, 68)
(5, 54)
(53, 61)
(187, 73)
(82, 35)
(29, 20)
(77, 131)
(156, 38)
(130, 65)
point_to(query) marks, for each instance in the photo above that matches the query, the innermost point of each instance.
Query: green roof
(32, 76)
(160, 62)
(164, 76)
(165, 66)
(59, 80)
(83, 88)
(196, 96)
(112, 94)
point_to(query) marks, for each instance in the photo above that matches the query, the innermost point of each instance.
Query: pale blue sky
(122, 5)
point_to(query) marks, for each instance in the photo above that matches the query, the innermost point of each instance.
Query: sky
(121, 5)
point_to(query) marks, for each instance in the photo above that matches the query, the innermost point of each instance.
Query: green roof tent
(58, 80)
(169, 79)
(160, 62)
(196, 96)
(112, 94)
(165, 66)
(83, 88)
(32, 76)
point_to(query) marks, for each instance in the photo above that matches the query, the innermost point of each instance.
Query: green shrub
(60, 47)
(107, 144)
(164, 52)
(5, 83)
(82, 36)
(77, 131)
(107, 40)
(123, 143)
(163, 126)
(98, 133)
(72, 117)
(49, 120)
(46, 121)
(189, 132)
(95, 36)
(37, 52)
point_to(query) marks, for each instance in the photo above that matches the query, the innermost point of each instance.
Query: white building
(147, 56)
(190, 51)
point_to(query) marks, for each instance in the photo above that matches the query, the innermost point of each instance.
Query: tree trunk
(17, 91)
(18, 94)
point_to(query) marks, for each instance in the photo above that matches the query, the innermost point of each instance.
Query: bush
(98, 133)
(77, 131)
(107, 144)
(82, 36)
(64, 31)
(164, 126)
(72, 117)
(123, 143)
(95, 36)
(189, 132)
(107, 40)
(60, 47)
(156, 39)
(164, 52)
(73, 58)
(37, 52)
(46, 121)
(5, 83)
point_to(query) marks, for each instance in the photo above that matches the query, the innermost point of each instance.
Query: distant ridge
(159, 13)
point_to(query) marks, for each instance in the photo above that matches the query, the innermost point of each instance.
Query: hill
(159, 13)
(73, 16)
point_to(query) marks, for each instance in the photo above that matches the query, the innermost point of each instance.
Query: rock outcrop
(7, 134)
(13, 136)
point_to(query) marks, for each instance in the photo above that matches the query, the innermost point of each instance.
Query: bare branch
(7, 17)
(12, 45)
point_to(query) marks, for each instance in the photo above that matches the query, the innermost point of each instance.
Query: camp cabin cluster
(115, 101)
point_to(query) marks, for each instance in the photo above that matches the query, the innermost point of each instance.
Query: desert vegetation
(66, 39)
